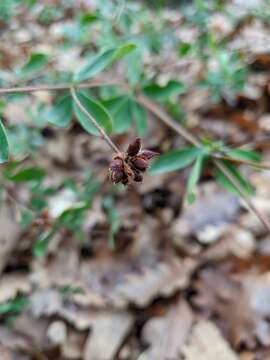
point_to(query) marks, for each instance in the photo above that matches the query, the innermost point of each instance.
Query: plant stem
(93, 121)
(258, 165)
(250, 205)
(163, 116)
(66, 86)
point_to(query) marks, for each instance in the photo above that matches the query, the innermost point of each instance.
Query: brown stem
(94, 122)
(163, 116)
(34, 88)
(250, 205)
(262, 166)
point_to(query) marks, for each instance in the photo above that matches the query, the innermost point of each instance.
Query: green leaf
(184, 49)
(134, 65)
(96, 110)
(113, 218)
(35, 63)
(194, 177)
(61, 113)
(244, 155)
(41, 245)
(4, 149)
(14, 306)
(32, 173)
(139, 115)
(227, 184)
(174, 160)
(162, 93)
(119, 107)
(100, 61)
(94, 65)
(123, 50)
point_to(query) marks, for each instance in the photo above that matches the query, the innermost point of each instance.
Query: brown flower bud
(148, 154)
(117, 170)
(140, 163)
(134, 147)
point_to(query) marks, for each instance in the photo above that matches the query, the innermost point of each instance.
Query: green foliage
(14, 306)
(113, 219)
(100, 61)
(139, 115)
(61, 113)
(242, 154)
(223, 180)
(127, 42)
(34, 64)
(162, 93)
(32, 173)
(228, 78)
(194, 177)
(175, 160)
(95, 109)
(3, 144)
(72, 218)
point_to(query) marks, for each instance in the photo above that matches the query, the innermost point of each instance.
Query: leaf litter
(183, 282)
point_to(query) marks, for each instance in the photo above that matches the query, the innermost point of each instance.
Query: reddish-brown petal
(134, 147)
(116, 170)
(117, 164)
(140, 163)
(117, 176)
(148, 154)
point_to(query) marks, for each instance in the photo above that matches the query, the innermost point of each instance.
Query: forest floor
(181, 281)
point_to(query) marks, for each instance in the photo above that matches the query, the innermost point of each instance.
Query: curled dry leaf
(207, 343)
(5, 353)
(10, 231)
(107, 335)
(13, 284)
(162, 280)
(167, 334)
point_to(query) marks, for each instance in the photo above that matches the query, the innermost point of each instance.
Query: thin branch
(259, 165)
(163, 116)
(66, 86)
(250, 205)
(93, 121)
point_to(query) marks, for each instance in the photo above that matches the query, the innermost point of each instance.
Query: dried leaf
(167, 334)
(207, 343)
(107, 335)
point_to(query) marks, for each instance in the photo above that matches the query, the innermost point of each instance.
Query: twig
(258, 165)
(250, 205)
(94, 122)
(163, 116)
(34, 88)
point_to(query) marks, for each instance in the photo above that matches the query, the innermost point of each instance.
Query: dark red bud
(134, 147)
(140, 163)
(117, 170)
(117, 176)
(117, 164)
(148, 154)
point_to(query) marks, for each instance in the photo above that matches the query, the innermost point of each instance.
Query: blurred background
(175, 267)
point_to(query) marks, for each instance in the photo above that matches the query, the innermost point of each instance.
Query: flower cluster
(130, 166)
